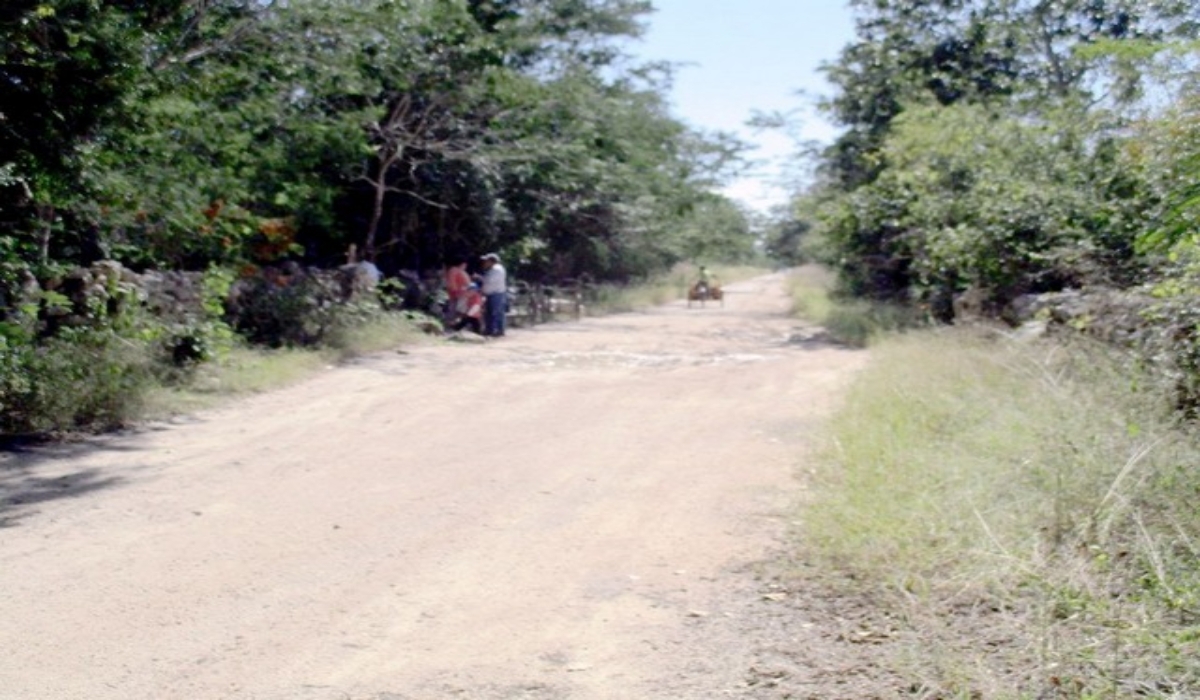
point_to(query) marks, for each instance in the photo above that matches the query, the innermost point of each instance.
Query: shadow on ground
(28, 477)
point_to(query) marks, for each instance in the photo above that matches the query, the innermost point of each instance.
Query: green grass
(1048, 485)
(383, 332)
(850, 321)
(244, 370)
(810, 287)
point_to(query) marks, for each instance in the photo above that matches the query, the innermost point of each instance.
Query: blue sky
(742, 56)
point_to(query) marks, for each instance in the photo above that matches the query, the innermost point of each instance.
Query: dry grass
(1044, 486)
(244, 370)
(850, 321)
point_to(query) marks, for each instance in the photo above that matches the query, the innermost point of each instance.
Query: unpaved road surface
(573, 512)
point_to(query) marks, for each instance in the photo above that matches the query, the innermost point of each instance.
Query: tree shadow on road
(817, 338)
(29, 477)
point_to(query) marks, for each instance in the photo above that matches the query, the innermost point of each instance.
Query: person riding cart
(706, 287)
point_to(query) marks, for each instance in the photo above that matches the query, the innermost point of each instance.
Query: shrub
(976, 199)
(81, 379)
(77, 356)
(300, 309)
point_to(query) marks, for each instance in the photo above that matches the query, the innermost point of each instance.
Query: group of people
(477, 302)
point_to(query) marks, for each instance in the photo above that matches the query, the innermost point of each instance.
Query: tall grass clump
(378, 332)
(1042, 498)
(851, 321)
(651, 291)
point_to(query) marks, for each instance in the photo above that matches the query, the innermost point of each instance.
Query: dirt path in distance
(573, 512)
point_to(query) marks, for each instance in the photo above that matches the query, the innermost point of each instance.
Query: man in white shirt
(494, 288)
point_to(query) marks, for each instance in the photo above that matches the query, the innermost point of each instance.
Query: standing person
(494, 286)
(456, 282)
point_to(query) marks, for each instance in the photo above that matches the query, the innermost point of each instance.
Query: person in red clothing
(472, 315)
(457, 282)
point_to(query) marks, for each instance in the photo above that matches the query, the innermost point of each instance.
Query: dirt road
(570, 512)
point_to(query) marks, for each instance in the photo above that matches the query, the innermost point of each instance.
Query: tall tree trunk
(388, 157)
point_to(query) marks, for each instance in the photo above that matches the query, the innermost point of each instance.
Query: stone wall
(105, 289)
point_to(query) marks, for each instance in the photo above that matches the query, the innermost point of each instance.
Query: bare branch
(235, 35)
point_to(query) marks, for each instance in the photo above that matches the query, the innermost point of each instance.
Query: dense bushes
(293, 306)
(81, 379)
(76, 352)
(999, 167)
(80, 350)
(973, 199)
(1003, 163)
(231, 134)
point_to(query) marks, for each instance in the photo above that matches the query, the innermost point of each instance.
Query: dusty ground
(577, 511)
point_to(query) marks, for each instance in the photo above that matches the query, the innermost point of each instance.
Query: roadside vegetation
(848, 320)
(243, 368)
(1019, 514)
(1015, 161)
(1010, 218)
(186, 184)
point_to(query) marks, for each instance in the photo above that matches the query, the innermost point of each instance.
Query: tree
(70, 71)
(912, 52)
(1022, 167)
(250, 131)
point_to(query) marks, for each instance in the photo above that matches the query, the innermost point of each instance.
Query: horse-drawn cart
(705, 291)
